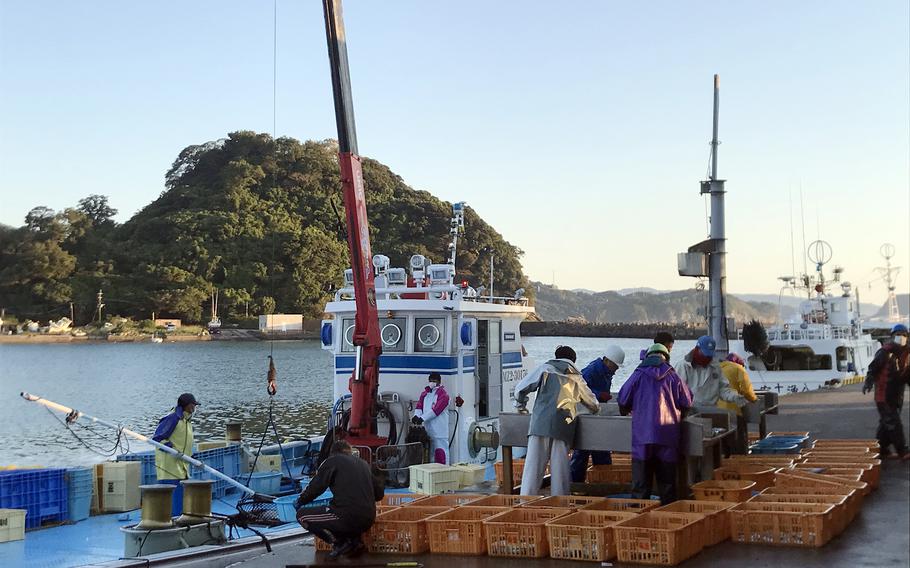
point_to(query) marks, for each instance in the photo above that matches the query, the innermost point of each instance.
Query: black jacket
(355, 489)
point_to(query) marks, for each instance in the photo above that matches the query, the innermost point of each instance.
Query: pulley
(156, 506)
(197, 501)
(479, 438)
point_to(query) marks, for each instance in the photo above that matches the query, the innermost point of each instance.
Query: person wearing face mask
(598, 375)
(702, 374)
(432, 411)
(175, 431)
(889, 374)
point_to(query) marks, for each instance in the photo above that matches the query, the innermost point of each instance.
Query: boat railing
(448, 291)
(813, 332)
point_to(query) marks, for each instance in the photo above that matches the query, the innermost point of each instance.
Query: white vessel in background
(822, 345)
(429, 323)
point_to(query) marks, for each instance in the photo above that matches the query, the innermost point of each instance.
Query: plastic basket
(783, 524)
(284, 506)
(41, 492)
(564, 501)
(585, 535)
(265, 482)
(433, 478)
(470, 474)
(402, 530)
(871, 469)
(450, 500)
(615, 473)
(803, 434)
(841, 511)
(859, 455)
(762, 475)
(659, 538)
(717, 525)
(803, 478)
(12, 524)
(771, 460)
(401, 499)
(460, 530)
(518, 466)
(520, 533)
(774, 449)
(730, 490)
(623, 505)
(853, 498)
(499, 500)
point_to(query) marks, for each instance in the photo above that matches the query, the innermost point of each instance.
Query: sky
(578, 130)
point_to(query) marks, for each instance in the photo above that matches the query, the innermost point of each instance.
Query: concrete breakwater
(578, 329)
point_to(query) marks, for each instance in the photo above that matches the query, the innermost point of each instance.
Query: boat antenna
(792, 253)
(456, 227)
(887, 251)
(717, 323)
(802, 223)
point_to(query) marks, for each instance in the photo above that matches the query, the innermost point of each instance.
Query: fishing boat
(428, 323)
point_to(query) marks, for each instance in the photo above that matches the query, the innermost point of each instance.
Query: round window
(391, 334)
(428, 335)
(349, 335)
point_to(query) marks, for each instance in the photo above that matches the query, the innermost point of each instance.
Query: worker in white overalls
(432, 412)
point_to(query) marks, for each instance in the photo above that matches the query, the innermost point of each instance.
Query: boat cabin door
(488, 368)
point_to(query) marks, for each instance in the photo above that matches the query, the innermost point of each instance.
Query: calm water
(135, 384)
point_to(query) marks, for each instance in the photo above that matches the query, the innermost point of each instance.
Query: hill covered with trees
(255, 217)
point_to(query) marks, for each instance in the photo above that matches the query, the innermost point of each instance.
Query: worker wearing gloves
(432, 411)
(657, 398)
(599, 377)
(175, 431)
(889, 374)
(560, 388)
(702, 374)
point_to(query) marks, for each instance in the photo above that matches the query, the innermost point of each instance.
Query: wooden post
(507, 485)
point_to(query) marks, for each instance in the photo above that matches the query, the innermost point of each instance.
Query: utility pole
(717, 260)
(491, 277)
(72, 314)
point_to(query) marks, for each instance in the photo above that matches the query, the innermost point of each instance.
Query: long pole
(193, 461)
(717, 324)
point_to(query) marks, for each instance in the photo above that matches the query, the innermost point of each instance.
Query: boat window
(347, 335)
(392, 332)
(796, 358)
(495, 337)
(429, 335)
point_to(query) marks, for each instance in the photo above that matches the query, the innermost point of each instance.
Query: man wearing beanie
(656, 397)
(560, 388)
(176, 431)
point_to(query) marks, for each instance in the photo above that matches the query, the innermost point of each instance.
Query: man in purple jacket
(657, 398)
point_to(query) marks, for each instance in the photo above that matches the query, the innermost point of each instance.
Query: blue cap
(706, 345)
(899, 328)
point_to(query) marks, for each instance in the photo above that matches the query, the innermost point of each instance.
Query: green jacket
(176, 431)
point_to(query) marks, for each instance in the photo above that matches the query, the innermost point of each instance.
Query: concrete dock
(878, 537)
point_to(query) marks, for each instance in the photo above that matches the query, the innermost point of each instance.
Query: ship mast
(708, 258)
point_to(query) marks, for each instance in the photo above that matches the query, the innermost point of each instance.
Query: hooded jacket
(889, 372)
(560, 388)
(656, 396)
(739, 381)
(176, 431)
(707, 384)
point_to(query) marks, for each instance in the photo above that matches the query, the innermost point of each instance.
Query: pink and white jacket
(432, 407)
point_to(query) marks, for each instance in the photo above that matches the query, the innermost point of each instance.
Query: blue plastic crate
(285, 506)
(148, 474)
(79, 481)
(79, 506)
(775, 449)
(224, 460)
(41, 492)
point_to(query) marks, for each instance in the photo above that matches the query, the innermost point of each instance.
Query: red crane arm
(365, 380)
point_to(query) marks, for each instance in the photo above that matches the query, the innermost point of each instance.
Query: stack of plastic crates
(79, 493)
(717, 523)
(41, 492)
(460, 530)
(784, 524)
(521, 532)
(585, 535)
(402, 530)
(225, 460)
(660, 538)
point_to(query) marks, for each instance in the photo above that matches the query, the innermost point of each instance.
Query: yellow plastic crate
(12, 524)
(433, 478)
(470, 474)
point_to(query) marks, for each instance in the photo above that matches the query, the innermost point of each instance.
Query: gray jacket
(707, 384)
(560, 388)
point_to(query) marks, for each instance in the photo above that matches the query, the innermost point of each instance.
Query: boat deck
(880, 535)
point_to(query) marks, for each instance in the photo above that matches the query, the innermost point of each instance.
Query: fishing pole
(73, 415)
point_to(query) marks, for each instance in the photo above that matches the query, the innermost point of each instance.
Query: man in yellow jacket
(734, 369)
(176, 431)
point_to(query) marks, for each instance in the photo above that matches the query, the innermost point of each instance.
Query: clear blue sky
(578, 129)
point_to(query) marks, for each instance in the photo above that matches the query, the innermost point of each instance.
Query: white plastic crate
(12, 524)
(433, 478)
(120, 486)
(268, 463)
(470, 473)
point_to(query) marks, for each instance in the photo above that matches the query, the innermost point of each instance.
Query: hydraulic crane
(364, 383)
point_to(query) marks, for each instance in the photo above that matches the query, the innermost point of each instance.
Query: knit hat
(659, 348)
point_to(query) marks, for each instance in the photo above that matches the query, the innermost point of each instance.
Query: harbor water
(135, 384)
